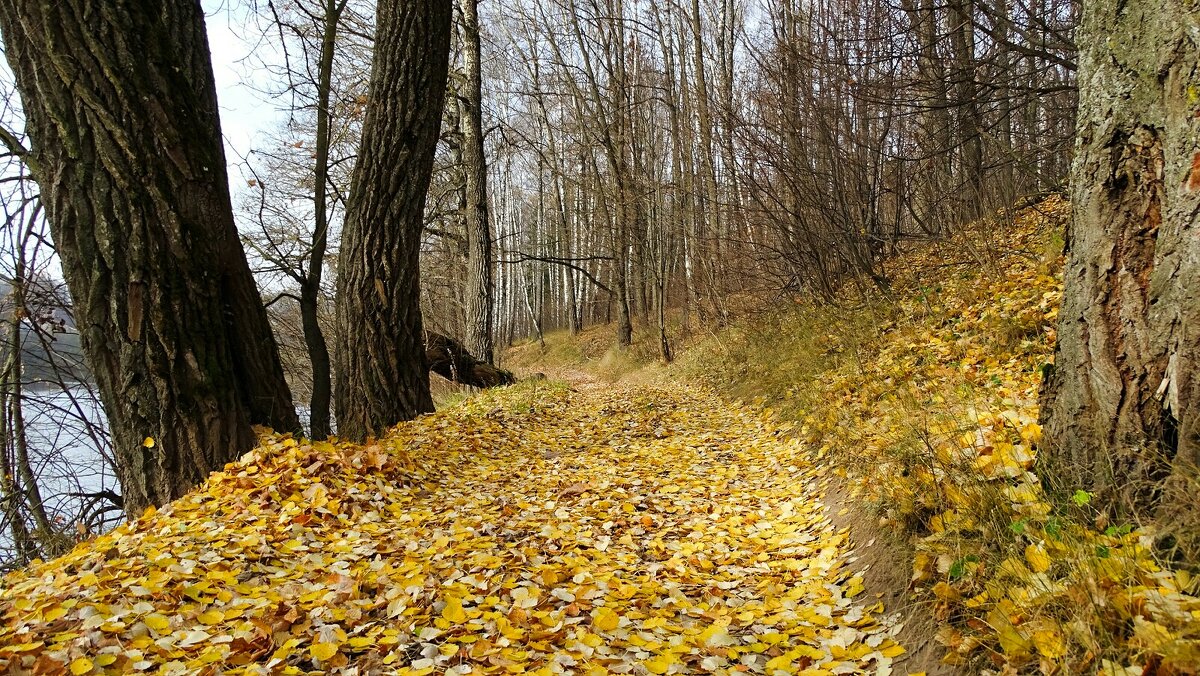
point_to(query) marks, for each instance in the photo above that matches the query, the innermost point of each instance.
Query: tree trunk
(319, 420)
(970, 124)
(708, 208)
(933, 144)
(13, 502)
(381, 376)
(1122, 406)
(479, 291)
(128, 154)
(319, 425)
(17, 436)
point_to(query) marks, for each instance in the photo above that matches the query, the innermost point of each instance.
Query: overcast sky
(245, 113)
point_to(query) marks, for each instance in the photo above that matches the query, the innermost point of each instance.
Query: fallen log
(450, 360)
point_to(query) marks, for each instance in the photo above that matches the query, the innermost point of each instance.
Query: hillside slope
(650, 526)
(925, 399)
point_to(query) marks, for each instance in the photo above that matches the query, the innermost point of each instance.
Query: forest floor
(920, 404)
(537, 529)
(817, 488)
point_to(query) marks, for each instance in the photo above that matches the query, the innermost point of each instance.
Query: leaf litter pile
(538, 530)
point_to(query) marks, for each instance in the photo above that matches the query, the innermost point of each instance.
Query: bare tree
(299, 185)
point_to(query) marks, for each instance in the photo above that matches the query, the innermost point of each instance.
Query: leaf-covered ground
(927, 401)
(540, 530)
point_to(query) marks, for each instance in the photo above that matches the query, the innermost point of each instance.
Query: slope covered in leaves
(526, 531)
(927, 402)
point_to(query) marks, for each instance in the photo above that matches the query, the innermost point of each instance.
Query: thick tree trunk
(479, 291)
(381, 376)
(121, 108)
(1122, 406)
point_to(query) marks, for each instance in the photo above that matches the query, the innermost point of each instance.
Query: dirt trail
(678, 535)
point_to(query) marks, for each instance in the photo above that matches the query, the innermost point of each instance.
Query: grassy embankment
(925, 400)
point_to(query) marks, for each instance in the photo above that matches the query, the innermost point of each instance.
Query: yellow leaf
(605, 619)
(148, 442)
(1049, 643)
(157, 622)
(453, 612)
(660, 664)
(211, 617)
(323, 651)
(783, 662)
(946, 592)
(854, 586)
(81, 666)
(922, 566)
(976, 601)
(284, 651)
(1039, 561)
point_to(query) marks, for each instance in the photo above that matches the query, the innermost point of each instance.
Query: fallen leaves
(928, 403)
(668, 533)
(605, 619)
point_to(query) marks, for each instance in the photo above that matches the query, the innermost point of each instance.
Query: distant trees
(686, 151)
(127, 152)
(594, 161)
(381, 375)
(1123, 408)
(641, 157)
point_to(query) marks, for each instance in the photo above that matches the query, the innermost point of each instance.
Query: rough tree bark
(381, 376)
(1122, 406)
(122, 112)
(479, 290)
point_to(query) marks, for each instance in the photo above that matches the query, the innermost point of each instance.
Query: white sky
(245, 112)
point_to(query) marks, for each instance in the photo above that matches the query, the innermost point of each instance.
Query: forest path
(638, 529)
(532, 529)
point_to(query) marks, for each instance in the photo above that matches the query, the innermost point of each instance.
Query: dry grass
(926, 401)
